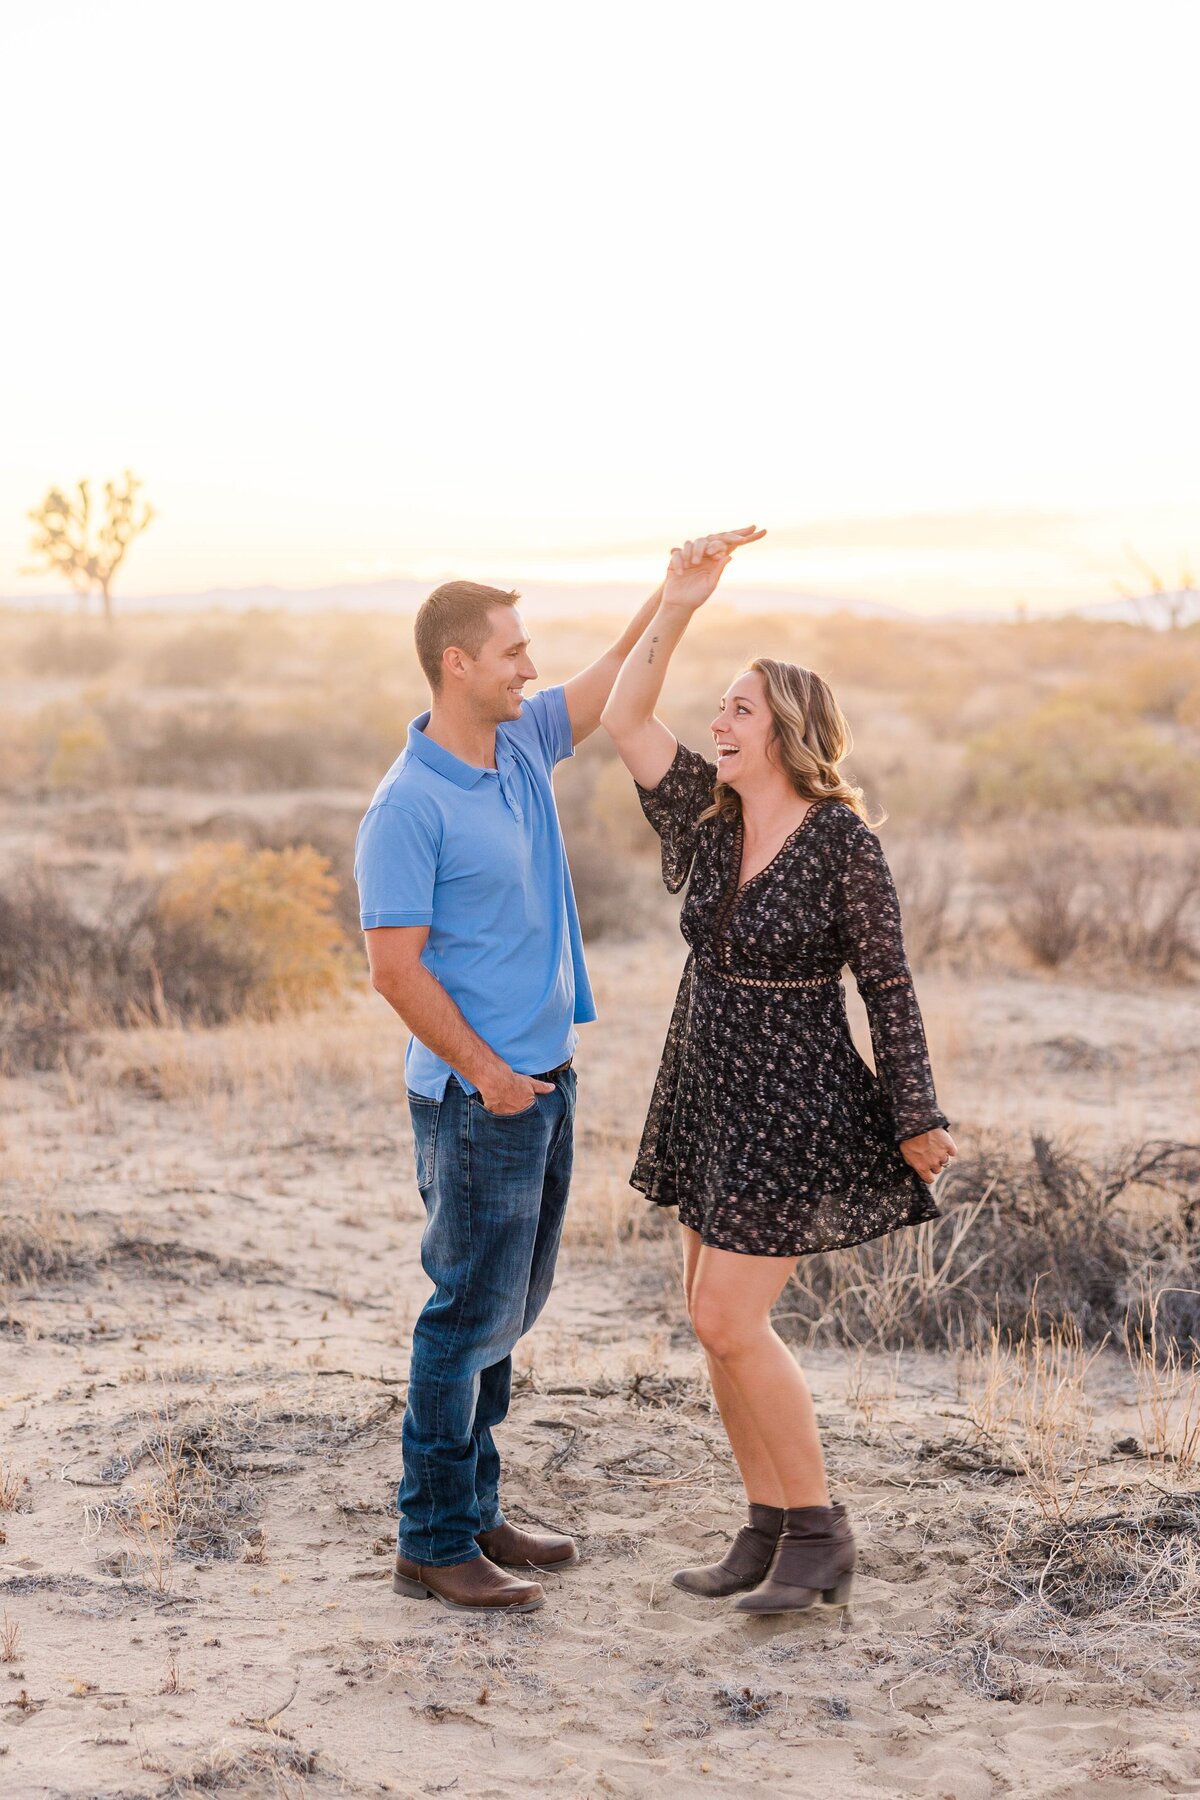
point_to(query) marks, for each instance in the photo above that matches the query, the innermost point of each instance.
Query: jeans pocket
(424, 1113)
(523, 1114)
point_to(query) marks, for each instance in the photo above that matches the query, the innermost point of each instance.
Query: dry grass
(10, 1638)
(14, 1489)
(197, 1500)
(1167, 1380)
(256, 1063)
(1112, 1591)
(1029, 1407)
(230, 933)
(306, 707)
(192, 1505)
(1104, 908)
(274, 1768)
(46, 1248)
(1083, 1234)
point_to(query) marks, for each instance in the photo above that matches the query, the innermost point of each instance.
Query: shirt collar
(444, 762)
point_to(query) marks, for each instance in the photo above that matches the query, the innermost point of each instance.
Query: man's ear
(454, 662)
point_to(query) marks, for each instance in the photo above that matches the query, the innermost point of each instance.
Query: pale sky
(534, 291)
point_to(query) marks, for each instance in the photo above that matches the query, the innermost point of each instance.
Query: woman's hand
(696, 568)
(929, 1153)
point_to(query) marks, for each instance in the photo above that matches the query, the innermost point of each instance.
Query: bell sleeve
(873, 944)
(673, 807)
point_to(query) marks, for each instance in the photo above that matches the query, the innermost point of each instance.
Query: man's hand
(696, 567)
(929, 1153)
(508, 1092)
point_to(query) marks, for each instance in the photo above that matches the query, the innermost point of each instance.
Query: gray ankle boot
(744, 1563)
(814, 1557)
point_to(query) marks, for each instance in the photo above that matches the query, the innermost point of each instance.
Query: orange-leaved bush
(271, 910)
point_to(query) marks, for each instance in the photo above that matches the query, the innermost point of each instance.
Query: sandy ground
(230, 1231)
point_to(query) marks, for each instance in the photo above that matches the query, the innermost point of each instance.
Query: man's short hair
(455, 613)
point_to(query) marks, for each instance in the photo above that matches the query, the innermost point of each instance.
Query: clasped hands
(696, 567)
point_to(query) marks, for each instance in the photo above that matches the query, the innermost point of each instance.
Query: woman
(766, 1128)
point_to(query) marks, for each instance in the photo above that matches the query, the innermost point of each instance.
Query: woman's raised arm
(646, 746)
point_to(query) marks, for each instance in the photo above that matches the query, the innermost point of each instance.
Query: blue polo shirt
(477, 855)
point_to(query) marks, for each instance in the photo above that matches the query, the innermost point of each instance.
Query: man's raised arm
(586, 694)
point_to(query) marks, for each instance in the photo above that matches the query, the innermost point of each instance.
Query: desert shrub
(188, 971)
(1150, 917)
(927, 883)
(270, 911)
(940, 701)
(37, 930)
(49, 963)
(219, 746)
(232, 931)
(331, 832)
(609, 809)
(82, 759)
(919, 786)
(1066, 648)
(1093, 1236)
(608, 892)
(75, 649)
(65, 747)
(1047, 886)
(878, 654)
(62, 976)
(1161, 684)
(201, 655)
(226, 745)
(39, 1249)
(1115, 907)
(1070, 756)
(20, 754)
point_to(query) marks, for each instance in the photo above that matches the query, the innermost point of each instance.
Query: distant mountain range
(1158, 611)
(405, 596)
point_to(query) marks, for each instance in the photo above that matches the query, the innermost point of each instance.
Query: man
(474, 940)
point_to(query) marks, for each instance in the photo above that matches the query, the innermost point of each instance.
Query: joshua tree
(1175, 604)
(63, 535)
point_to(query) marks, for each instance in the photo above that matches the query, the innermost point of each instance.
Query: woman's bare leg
(754, 1461)
(763, 1396)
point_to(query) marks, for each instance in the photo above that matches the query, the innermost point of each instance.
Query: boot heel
(839, 1595)
(415, 1590)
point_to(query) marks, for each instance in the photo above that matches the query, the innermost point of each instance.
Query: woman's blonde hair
(810, 737)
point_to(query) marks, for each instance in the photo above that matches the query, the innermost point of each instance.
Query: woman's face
(742, 730)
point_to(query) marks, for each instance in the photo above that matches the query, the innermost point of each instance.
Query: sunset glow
(400, 291)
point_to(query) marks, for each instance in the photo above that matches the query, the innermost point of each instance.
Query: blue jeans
(495, 1191)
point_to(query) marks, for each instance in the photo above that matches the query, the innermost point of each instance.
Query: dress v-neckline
(739, 845)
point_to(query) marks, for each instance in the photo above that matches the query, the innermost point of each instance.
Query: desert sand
(209, 1259)
(228, 1232)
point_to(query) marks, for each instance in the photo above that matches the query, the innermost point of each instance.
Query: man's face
(496, 677)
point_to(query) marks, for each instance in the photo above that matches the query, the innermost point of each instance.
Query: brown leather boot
(814, 1556)
(526, 1550)
(744, 1563)
(474, 1586)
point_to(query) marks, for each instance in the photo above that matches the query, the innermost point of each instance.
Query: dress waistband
(800, 981)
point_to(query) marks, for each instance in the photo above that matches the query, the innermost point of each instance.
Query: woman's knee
(722, 1328)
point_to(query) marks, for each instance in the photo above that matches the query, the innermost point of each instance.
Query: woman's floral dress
(766, 1128)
